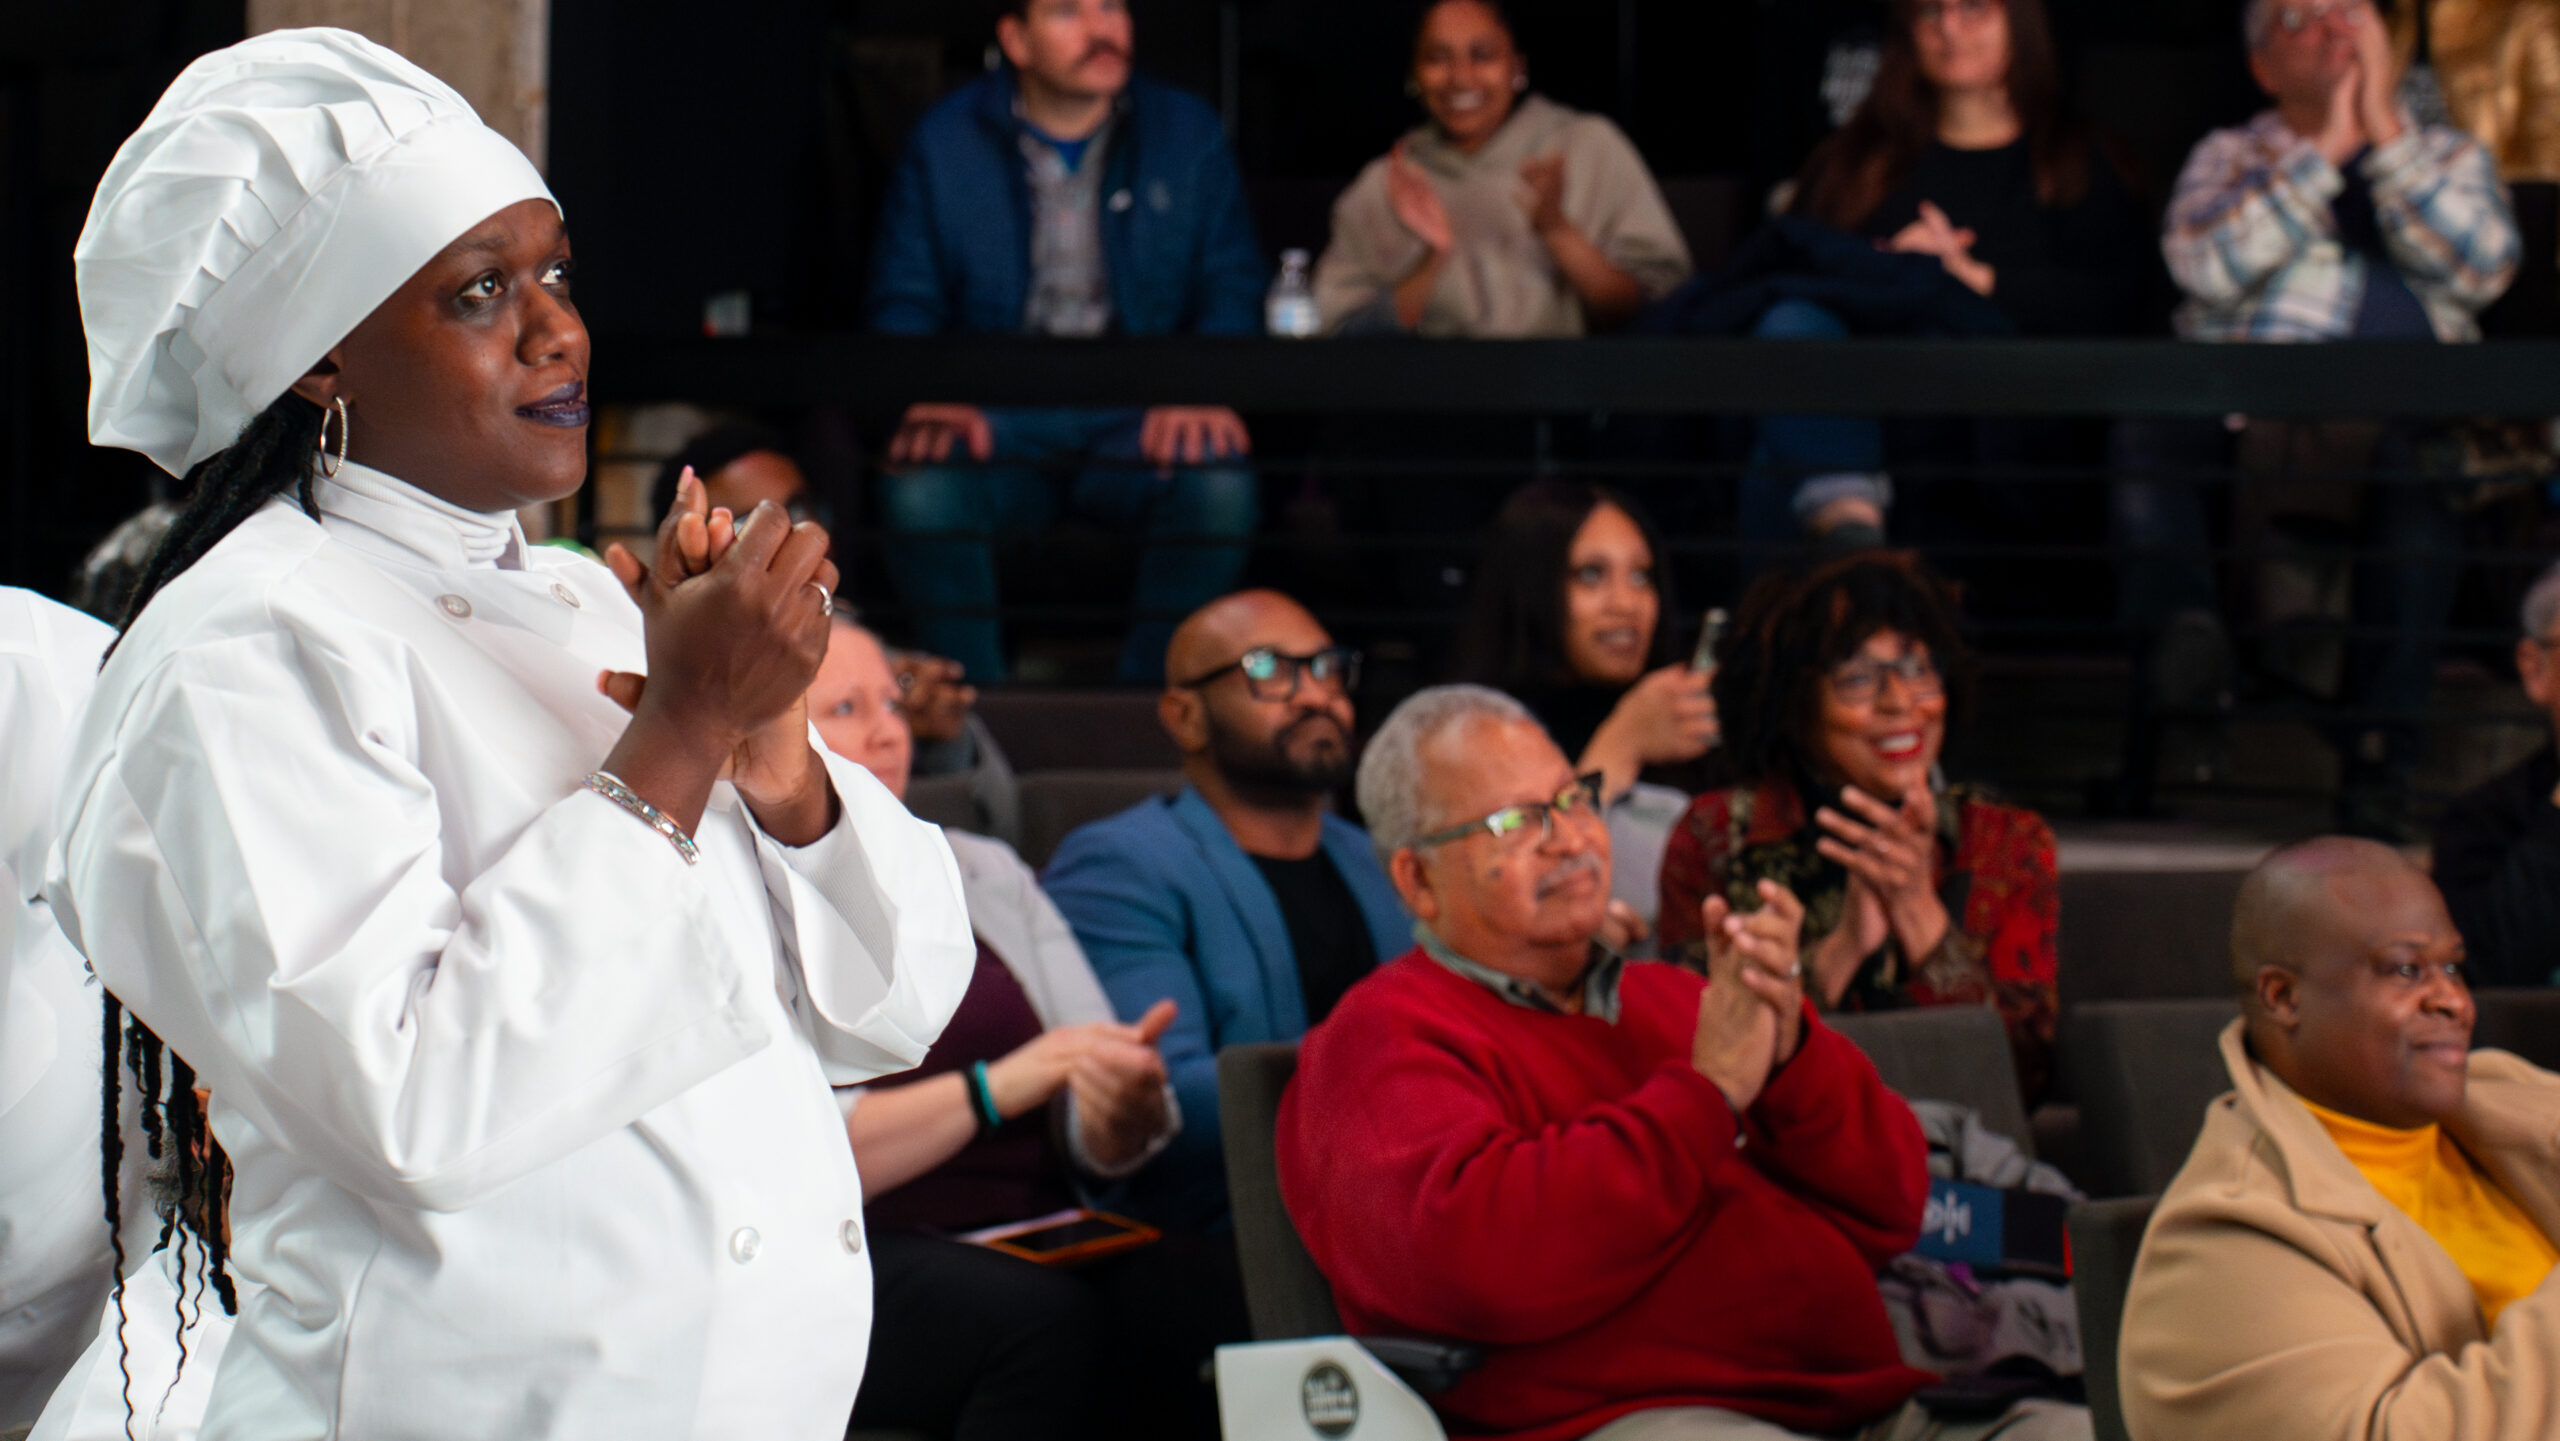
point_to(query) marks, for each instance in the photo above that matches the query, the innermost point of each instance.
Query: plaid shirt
(2252, 243)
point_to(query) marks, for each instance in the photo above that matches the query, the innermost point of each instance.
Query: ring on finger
(826, 598)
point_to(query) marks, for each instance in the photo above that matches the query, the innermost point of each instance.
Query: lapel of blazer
(1257, 914)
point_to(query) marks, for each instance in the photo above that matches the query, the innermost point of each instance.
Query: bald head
(2294, 892)
(2351, 975)
(1217, 633)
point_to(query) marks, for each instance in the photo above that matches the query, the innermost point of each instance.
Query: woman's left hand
(1894, 850)
(775, 769)
(1542, 193)
(1119, 1088)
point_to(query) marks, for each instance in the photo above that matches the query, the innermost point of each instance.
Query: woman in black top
(1961, 151)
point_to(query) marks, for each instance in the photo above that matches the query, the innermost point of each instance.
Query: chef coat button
(566, 596)
(853, 1237)
(743, 1244)
(455, 606)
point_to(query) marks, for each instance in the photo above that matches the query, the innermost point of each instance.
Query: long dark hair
(1793, 627)
(1513, 634)
(276, 452)
(1851, 173)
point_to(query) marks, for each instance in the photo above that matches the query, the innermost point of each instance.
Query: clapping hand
(1416, 203)
(1751, 1015)
(1892, 851)
(748, 682)
(1542, 193)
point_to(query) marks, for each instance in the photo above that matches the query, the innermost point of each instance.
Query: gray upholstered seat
(1946, 1053)
(2105, 1237)
(2144, 1072)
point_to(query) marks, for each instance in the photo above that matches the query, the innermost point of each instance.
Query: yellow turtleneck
(2497, 1246)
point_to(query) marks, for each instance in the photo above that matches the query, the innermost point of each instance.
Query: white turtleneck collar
(438, 532)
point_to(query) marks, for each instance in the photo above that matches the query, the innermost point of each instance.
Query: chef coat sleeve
(871, 914)
(259, 870)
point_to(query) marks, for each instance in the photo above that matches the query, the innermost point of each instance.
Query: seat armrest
(1429, 1367)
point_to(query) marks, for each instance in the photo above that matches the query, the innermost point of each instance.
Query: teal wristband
(982, 1098)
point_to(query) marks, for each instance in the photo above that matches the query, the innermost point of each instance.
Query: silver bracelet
(610, 786)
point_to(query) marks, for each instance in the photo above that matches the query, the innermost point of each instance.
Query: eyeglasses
(2298, 18)
(1270, 675)
(1580, 797)
(1861, 681)
(1930, 12)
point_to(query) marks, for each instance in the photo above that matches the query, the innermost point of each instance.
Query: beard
(1308, 756)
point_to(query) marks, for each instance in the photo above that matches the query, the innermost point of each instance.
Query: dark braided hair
(276, 452)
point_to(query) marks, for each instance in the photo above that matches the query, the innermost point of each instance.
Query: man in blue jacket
(1062, 195)
(1244, 898)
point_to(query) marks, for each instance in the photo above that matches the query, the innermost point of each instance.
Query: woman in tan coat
(1504, 215)
(2361, 1246)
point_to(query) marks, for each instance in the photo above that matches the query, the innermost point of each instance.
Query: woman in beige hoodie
(1504, 215)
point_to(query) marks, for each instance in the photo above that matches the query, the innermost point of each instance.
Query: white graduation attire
(55, 1264)
(529, 1119)
(145, 1375)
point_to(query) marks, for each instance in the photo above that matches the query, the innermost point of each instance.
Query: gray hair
(2541, 610)
(1390, 783)
(2257, 22)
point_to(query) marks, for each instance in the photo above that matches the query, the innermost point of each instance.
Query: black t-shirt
(1327, 928)
(2069, 270)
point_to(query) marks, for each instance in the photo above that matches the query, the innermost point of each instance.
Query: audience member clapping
(1568, 616)
(971, 1342)
(1505, 214)
(2362, 1243)
(1658, 1203)
(1837, 690)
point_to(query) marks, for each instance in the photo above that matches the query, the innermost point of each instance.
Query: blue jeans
(942, 518)
(1801, 463)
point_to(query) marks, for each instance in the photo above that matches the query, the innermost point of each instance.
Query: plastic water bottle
(1290, 309)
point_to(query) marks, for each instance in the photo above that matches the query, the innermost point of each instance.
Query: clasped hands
(1891, 854)
(2364, 104)
(1751, 1015)
(735, 626)
(1112, 1071)
(1934, 234)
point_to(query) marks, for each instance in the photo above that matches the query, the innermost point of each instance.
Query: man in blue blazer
(1244, 898)
(1062, 194)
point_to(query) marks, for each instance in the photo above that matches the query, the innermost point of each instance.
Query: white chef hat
(280, 191)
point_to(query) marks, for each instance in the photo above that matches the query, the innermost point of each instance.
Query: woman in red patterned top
(1836, 688)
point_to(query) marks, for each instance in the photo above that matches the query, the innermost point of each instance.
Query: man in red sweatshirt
(1658, 1202)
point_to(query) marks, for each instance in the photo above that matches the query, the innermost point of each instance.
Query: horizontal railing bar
(1615, 375)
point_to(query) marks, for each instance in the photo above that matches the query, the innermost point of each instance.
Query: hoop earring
(327, 470)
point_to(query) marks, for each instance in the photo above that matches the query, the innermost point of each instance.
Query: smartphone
(1710, 635)
(1066, 1238)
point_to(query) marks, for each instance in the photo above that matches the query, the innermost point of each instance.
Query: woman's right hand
(1026, 1077)
(1416, 203)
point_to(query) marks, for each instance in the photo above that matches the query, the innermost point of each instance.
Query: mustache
(1100, 48)
(1290, 731)
(1567, 870)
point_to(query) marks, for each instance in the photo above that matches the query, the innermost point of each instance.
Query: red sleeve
(1416, 1190)
(1827, 1129)
(1693, 865)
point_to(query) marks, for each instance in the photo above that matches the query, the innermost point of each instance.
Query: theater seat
(2105, 1238)
(2146, 934)
(1049, 730)
(2525, 1020)
(945, 800)
(1285, 1296)
(1056, 802)
(1946, 1053)
(2144, 1072)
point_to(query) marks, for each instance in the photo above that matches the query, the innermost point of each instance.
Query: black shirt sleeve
(2497, 860)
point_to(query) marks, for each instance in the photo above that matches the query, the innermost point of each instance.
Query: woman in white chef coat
(519, 1020)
